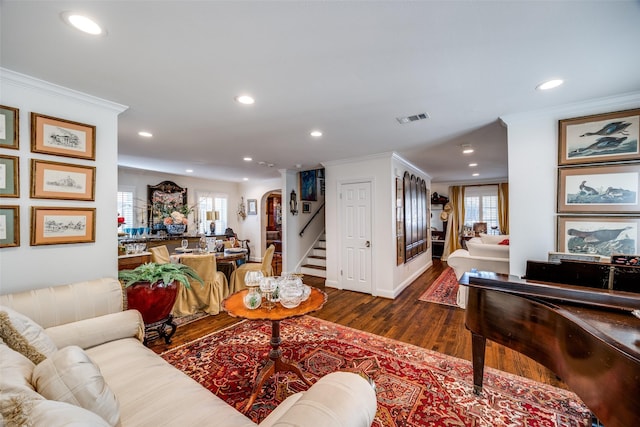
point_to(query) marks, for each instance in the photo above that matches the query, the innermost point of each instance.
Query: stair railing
(311, 219)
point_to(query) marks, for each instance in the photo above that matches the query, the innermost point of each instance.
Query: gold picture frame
(60, 137)
(64, 181)
(9, 226)
(9, 127)
(9, 176)
(598, 235)
(62, 225)
(598, 138)
(592, 189)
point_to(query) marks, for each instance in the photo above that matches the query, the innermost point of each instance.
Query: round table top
(234, 305)
(220, 256)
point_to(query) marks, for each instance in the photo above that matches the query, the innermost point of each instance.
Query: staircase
(316, 262)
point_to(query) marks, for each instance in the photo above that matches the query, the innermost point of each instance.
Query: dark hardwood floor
(432, 326)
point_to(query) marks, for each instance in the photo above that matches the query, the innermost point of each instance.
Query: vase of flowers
(176, 222)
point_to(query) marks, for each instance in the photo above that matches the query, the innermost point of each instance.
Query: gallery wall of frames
(598, 184)
(59, 177)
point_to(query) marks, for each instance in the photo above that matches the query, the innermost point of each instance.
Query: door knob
(367, 244)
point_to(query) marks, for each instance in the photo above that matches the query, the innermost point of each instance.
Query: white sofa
(97, 371)
(484, 253)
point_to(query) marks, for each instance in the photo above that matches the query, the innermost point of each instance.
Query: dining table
(225, 261)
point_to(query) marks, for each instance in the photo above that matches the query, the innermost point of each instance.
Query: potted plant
(152, 288)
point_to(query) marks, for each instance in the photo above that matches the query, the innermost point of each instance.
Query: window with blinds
(481, 205)
(125, 207)
(212, 204)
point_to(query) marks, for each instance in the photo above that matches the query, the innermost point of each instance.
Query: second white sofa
(484, 253)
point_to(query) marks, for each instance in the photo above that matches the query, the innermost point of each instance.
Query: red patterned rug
(415, 387)
(443, 290)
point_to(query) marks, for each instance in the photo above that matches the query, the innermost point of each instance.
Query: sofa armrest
(98, 330)
(339, 399)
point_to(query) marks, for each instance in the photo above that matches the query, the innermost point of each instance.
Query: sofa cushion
(70, 376)
(493, 239)
(487, 250)
(24, 335)
(51, 413)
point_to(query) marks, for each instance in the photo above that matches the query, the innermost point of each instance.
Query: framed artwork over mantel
(599, 138)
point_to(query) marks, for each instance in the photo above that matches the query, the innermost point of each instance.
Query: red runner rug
(414, 386)
(443, 290)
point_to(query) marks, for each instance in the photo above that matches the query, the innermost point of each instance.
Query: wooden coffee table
(234, 305)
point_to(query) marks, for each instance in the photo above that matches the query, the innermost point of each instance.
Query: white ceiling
(348, 68)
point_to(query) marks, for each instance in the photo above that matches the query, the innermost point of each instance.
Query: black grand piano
(588, 336)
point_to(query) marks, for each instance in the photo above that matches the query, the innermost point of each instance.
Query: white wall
(388, 278)
(32, 267)
(533, 165)
(253, 226)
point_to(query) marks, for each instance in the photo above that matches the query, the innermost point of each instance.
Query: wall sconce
(242, 213)
(293, 203)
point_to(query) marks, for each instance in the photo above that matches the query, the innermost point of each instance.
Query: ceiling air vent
(414, 118)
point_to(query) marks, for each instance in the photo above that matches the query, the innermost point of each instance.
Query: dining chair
(207, 297)
(160, 254)
(237, 277)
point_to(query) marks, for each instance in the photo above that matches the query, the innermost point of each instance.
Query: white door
(355, 230)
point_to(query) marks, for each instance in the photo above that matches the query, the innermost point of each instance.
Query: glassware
(202, 244)
(184, 244)
(291, 291)
(252, 278)
(268, 286)
(252, 299)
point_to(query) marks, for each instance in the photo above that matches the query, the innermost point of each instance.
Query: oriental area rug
(443, 290)
(414, 386)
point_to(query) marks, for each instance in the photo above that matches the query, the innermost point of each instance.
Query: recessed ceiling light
(245, 99)
(189, 171)
(467, 149)
(247, 159)
(473, 165)
(316, 133)
(549, 84)
(145, 134)
(82, 23)
(475, 174)
(245, 179)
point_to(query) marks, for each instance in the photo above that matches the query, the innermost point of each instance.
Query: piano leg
(478, 344)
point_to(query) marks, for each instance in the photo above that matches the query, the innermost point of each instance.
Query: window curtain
(503, 207)
(454, 224)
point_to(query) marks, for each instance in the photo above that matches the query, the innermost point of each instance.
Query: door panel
(355, 230)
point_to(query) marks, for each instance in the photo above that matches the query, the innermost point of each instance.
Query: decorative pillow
(24, 335)
(70, 376)
(493, 239)
(504, 242)
(15, 372)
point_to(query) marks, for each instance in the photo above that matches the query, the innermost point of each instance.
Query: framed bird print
(609, 137)
(599, 189)
(593, 235)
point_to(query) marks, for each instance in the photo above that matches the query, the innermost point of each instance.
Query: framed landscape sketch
(50, 135)
(9, 176)
(599, 189)
(596, 235)
(9, 226)
(599, 138)
(9, 127)
(52, 180)
(54, 226)
(308, 187)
